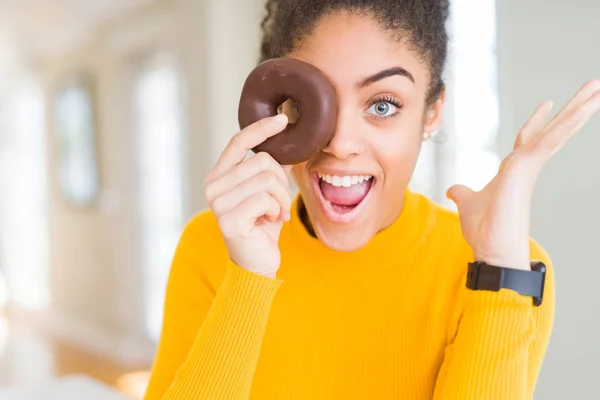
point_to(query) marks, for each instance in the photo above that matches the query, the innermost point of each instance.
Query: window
(24, 229)
(465, 149)
(75, 131)
(160, 174)
(474, 93)
(475, 77)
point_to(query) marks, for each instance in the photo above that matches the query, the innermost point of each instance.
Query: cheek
(298, 173)
(398, 150)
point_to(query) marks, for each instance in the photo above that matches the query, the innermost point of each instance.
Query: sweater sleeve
(211, 340)
(499, 345)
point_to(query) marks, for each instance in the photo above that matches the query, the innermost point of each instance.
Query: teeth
(345, 181)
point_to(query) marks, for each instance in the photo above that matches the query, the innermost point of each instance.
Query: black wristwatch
(482, 276)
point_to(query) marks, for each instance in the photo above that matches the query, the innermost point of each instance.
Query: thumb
(458, 193)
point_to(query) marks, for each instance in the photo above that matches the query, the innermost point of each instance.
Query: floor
(27, 356)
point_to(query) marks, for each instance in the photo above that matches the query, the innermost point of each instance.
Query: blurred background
(112, 111)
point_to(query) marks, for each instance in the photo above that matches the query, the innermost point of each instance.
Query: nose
(346, 140)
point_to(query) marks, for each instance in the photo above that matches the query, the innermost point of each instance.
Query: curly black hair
(420, 23)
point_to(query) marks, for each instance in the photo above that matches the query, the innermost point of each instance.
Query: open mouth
(342, 197)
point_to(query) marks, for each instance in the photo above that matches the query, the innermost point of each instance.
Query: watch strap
(482, 276)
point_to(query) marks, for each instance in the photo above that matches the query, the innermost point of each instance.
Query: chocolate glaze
(273, 82)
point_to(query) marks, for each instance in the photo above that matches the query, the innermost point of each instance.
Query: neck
(398, 240)
(305, 219)
(306, 222)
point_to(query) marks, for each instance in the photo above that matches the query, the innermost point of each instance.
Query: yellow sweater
(390, 321)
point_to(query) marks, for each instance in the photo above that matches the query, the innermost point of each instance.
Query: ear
(434, 114)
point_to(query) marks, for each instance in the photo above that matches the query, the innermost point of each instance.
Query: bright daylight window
(159, 144)
(464, 152)
(24, 226)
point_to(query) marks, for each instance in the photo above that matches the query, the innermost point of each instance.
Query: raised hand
(251, 198)
(496, 220)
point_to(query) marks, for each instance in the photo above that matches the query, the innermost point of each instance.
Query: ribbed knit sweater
(392, 320)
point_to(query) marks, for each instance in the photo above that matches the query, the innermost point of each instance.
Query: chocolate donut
(273, 82)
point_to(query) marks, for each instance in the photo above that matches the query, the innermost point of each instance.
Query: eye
(384, 108)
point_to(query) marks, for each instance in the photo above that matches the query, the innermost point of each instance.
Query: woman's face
(355, 186)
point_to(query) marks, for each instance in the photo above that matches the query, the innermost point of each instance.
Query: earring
(429, 135)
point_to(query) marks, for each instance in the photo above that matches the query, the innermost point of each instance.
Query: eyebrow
(386, 73)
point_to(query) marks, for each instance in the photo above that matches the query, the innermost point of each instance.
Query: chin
(346, 239)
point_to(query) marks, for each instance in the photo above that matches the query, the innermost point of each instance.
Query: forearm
(489, 358)
(222, 361)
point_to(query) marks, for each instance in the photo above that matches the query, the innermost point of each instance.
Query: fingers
(265, 182)
(242, 219)
(458, 193)
(583, 94)
(535, 124)
(248, 138)
(259, 174)
(257, 164)
(552, 139)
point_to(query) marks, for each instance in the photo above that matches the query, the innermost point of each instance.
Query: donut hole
(290, 108)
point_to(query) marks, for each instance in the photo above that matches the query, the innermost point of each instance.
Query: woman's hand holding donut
(495, 220)
(251, 198)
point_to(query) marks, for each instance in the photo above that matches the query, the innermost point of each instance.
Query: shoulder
(203, 227)
(201, 237)
(446, 228)
(201, 252)
(444, 234)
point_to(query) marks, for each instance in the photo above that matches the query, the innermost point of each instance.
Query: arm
(501, 338)
(211, 339)
(499, 345)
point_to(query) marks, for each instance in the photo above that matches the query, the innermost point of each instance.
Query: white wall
(547, 49)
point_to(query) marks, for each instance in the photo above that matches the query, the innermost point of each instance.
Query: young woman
(355, 289)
